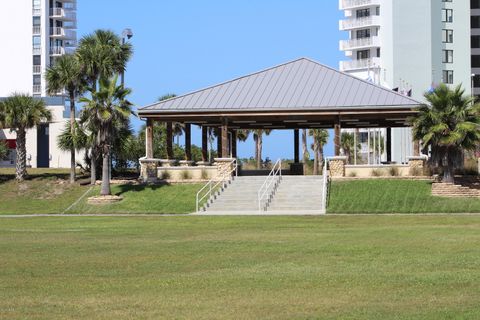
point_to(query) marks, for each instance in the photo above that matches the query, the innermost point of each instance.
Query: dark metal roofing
(298, 85)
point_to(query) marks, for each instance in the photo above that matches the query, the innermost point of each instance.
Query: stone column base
(417, 165)
(148, 169)
(337, 166)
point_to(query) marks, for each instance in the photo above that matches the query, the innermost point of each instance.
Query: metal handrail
(275, 175)
(324, 186)
(212, 185)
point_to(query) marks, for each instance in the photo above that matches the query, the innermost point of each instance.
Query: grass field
(338, 267)
(393, 196)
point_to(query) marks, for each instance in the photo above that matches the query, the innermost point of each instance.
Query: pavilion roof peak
(301, 84)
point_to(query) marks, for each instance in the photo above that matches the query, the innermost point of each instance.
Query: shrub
(166, 175)
(186, 175)
(204, 174)
(416, 172)
(393, 171)
(352, 174)
(377, 173)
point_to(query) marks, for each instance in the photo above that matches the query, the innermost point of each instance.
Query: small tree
(320, 138)
(449, 124)
(21, 112)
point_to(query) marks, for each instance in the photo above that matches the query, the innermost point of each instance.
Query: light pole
(127, 34)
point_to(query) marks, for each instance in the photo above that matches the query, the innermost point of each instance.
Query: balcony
(356, 23)
(36, 30)
(37, 89)
(60, 51)
(37, 50)
(359, 64)
(37, 69)
(355, 4)
(62, 14)
(354, 44)
(59, 32)
(37, 12)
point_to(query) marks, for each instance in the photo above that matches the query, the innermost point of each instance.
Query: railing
(36, 30)
(216, 182)
(37, 50)
(62, 13)
(358, 43)
(37, 89)
(353, 23)
(57, 51)
(62, 32)
(359, 64)
(324, 186)
(37, 69)
(269, 186)
(37, 12)
(349, 4)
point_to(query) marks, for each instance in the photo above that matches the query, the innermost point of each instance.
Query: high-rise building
(411, 45)
(36, 32)
(475, 43)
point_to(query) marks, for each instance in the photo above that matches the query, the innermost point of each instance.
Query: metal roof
(302, 84)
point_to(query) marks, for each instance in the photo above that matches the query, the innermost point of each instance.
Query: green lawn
(337, 267)
(170, 199)
(393, 196)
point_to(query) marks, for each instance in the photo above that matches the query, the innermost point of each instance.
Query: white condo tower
(409, 45)
(35, 33)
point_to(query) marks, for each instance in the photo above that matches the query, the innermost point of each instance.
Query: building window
(447, 56)
(363, 33)
(475, 4)
(36, 42)
(37, 60)
(377, 11)
(446, 0)
(475, 41)
(363, 54)
(475, 22)
(378, 52)
(475, 61)
(36, 21)
(37, 80)
(447, 36)
(447, 15)
(363, 13)
(447, 76)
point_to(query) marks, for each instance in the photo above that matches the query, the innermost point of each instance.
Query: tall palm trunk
(321, 157)
(315, 160)
(305, 155)
(72, 133)
(93, 166)
(105, 191)
(448, 171)
(21, 163)
(258, 150)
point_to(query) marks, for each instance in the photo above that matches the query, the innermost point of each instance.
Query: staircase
(302, 194)
(294, 195)
(454, 190)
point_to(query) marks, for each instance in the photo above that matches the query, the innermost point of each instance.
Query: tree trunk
(321, 157)
(258, 150)
(315, 161)
(255, 139)
(72, 132)
(448, 172)
(93, 166)
(21, 163)
(105, 191)
(305, 154)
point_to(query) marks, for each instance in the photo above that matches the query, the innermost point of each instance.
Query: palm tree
(107, 106)
(320, 138)
(258, 138)
(448, 125)
(21, 112)
(347, 143)
(67, 141)
(66, 75)
(101, 54)
(243, 134)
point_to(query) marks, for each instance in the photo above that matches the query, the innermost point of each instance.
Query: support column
(224, 131)
(188, 142)
(296, 146)
(416, 148)
(219, 141)
(149, 139)
(337, 138)
(204, 144)
(234, 143)
(169, 141)
(389, 145)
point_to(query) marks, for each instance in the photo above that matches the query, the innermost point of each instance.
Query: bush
(393, 171)
(377, 173)
(186, 175)
(416, 172)
(204, 174)
(166, 175)
(352, 174)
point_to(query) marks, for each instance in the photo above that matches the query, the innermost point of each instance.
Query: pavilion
(301, 94)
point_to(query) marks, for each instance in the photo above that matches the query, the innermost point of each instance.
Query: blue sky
(185, 45)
